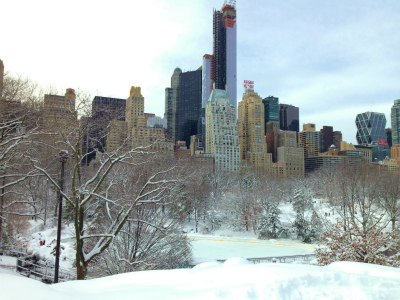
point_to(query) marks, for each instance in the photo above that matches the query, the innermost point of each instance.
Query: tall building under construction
(220, 67)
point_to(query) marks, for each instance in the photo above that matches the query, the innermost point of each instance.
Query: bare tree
(152, 238)
(389, 194)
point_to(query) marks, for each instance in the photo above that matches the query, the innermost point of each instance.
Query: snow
(8, 261)
(212, 247)
(234, 279)
(46, 252)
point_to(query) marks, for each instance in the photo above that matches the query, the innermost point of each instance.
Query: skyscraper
(223, 64)
(370, 128)
(171, 105)
(395, 120)
(189, 104)
(289, 117)
(221, 131)
(326, 138)
(309, 141)
(271, 109)
(253, 148)
(60, 110)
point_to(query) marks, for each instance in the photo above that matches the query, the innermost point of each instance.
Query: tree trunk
(1, 206)
(81, 271)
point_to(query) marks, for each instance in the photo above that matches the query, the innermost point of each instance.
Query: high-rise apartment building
(222, 140)
(326, 138)
(395, 121)
(134, 113)
(223, 70)
(309, 141)
(253, 149)
(189, 104)
(395, 153)
(207, 78)
(60, 110)
(271, 109)
(370, 128)
(289, 117)
(171, 105)
(289, 155)
(337, 138)
(140, 129)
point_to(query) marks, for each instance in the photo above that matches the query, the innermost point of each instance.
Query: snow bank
(232, 280)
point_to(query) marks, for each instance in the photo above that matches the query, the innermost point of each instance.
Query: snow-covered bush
(351, 243)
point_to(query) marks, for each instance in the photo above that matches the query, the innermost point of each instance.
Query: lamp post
(63, 155)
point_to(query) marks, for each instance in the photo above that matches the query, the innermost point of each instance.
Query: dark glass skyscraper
(189, 104)
(223, 65)
(104, 110)
(289, 117)
(370, 128)
(326, 138)
(271, 109)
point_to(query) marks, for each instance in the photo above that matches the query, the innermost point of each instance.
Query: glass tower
(189, 104)
(271, 109)
(370, 128)
(223, 69)
(289, 117)
(395, 120)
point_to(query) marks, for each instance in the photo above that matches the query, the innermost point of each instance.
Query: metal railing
(281, 259)
(41, 272)
(13, 250)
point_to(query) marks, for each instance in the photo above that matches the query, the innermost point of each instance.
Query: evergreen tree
(270, 225)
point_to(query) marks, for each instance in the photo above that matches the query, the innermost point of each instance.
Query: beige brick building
(135, 127)
(395, 153)
(309, 142)
(60, 110)
(253, 149)
(117, 136)
(289, 155)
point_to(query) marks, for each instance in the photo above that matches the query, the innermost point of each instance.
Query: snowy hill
(235, 279)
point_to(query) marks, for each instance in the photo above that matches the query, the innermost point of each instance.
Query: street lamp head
(63, 155)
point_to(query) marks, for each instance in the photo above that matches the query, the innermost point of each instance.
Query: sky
(332, 59)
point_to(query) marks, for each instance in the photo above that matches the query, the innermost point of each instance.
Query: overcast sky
(331, 58)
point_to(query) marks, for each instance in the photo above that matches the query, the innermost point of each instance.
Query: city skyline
(333, 60)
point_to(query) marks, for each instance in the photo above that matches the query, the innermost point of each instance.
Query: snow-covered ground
(213, 247)
(234, 279)
(7, 261)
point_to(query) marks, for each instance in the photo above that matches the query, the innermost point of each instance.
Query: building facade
(271, 109)
(253, 149)
(223, 64)
(370, 127)
(171, 105)
(60, 110)
(289, 117)
(309, 142)
(326, 138)
(189, 104)
(222, 140)
(289, 155)
(395, 121)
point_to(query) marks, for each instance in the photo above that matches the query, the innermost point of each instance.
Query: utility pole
(63, 155)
